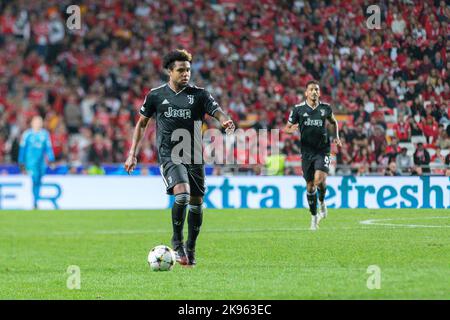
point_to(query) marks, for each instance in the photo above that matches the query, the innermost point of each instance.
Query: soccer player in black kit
(309, 117)
(179, 108)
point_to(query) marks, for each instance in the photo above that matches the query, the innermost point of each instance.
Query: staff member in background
(34, 146)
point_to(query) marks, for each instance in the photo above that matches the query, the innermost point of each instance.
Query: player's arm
(213, 109)
(138, 134)
(146, 111)
(292, 124)
(290, 127)
(334, 122)
(49, 149)
(225, 121)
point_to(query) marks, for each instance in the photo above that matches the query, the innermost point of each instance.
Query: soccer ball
(161, 258)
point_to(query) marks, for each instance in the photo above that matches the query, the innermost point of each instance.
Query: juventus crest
(190, 98)
(322, 112)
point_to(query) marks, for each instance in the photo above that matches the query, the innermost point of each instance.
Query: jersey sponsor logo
(178, 113)
(305, 114)
(313, 123)
(165, 101)
(190, 98)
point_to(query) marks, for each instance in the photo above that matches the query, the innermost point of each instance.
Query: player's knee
(311, 187)
(319, 181)
(182, 198)
(196, 201)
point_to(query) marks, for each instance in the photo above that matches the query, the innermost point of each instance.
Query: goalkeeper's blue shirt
(34, 146)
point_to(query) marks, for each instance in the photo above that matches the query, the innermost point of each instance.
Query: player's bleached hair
(312, 82)
(176, 55)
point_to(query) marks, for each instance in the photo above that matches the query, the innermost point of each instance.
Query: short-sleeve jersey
(313, 132)
(183, 110)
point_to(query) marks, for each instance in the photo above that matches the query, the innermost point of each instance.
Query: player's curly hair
(176, 55)
(312, 82)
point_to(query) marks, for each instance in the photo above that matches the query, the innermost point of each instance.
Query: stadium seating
(254, 58)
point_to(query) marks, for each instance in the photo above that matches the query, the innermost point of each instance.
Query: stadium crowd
(389, 86)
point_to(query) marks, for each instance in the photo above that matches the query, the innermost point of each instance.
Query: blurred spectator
(437, 163)
(398, 25)
(391, 170)
(415, 128)
(447, 165)
(443, 140)
(417, 171)
(72, 115)
(60, 141)
(402, 130)
(393, 149)
(96, 168)
(422, 158)
(361, 114)
(404, 162)
(290, 148)
(275, 163)
(99, 151)
(430, 129)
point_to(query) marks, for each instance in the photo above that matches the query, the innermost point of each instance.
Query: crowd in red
(387, 85)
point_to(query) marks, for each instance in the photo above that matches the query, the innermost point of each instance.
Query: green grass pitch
(242, 254)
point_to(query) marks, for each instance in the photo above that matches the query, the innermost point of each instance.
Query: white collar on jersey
(176, 93)
(312, 107)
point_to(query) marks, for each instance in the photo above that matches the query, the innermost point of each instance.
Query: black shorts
(313, 162)
(193, 174)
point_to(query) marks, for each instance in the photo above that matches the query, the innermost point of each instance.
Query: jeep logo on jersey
(316, 123)
(178, 113)
(190, 98)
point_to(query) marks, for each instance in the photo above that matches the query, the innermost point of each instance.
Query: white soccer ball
(161, 258)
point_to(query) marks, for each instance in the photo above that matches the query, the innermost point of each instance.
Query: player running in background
(34, 146)
(309, 116)
(179, 105)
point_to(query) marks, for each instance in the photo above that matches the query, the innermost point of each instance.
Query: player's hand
(292, 128)
(130, 164)
(228, 126)
(338, 142)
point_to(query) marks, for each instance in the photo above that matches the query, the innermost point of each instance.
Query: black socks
(312, 201)
(195, 219)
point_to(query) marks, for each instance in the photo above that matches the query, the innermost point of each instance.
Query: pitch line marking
(376, 222)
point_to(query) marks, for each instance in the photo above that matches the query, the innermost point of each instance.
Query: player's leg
(311, 192)
(322, 167)
(311, 195)
(36, 180)
(195, 220)
(177, 184)
(320, 182)
(195, 215)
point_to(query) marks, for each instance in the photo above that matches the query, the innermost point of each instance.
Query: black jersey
(313, 132)
(184, 110)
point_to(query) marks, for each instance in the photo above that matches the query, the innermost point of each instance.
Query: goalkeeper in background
(35, 147)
